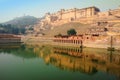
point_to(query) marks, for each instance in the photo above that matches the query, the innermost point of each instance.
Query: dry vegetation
(62, 29)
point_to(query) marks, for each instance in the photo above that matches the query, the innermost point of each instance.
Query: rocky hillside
(62, 29)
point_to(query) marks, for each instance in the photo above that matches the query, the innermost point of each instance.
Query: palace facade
(84, 15)
(90, 15)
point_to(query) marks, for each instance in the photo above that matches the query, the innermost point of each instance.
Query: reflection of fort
(87, 61)
(77, 52)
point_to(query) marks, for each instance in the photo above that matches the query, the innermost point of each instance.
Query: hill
(62, 29)
(23, 21)
(17, 25)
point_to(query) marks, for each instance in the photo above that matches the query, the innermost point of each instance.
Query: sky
(10, 9)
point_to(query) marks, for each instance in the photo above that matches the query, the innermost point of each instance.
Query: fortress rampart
(84, 15)
(90, 15)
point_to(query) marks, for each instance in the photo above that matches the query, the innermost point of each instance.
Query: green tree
(31, 28)
(71, 32)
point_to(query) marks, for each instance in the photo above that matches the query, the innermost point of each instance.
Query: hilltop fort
(90, 15)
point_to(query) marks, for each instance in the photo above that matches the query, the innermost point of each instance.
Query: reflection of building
(77, 52)
(89, 62)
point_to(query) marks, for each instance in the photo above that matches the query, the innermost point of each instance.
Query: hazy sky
(10, 9)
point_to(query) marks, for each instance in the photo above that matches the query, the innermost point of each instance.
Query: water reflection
(74, 59)
(19, 50)
(88, 61)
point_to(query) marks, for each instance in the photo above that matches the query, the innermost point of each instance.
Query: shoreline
(49, 41)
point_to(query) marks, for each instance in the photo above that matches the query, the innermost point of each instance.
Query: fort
(101, 25)
(90, 15)
(85, 15)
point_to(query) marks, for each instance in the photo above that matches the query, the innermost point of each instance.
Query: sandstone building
(90, 15)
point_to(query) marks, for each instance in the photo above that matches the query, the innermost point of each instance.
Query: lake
(48, 62)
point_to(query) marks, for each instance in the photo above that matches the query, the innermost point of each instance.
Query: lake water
(46, 62)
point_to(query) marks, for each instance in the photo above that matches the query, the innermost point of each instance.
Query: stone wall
(73, 14)
(87, 15)
(9, 38)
